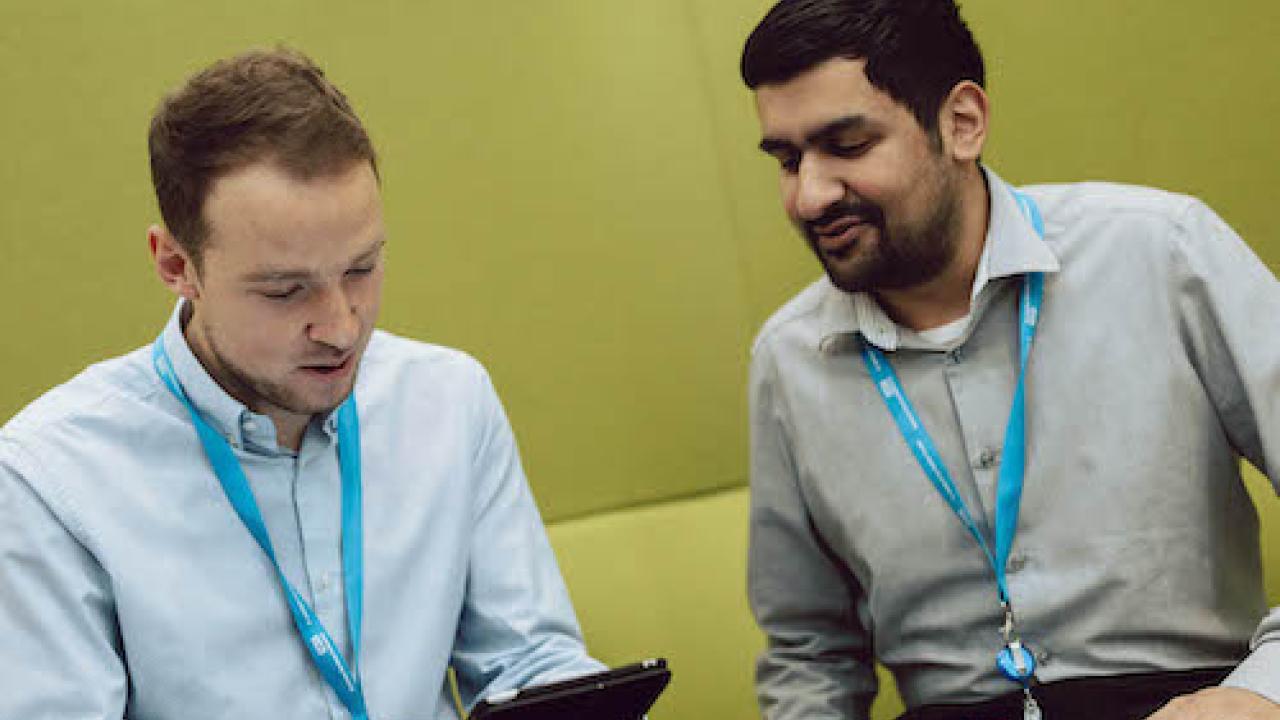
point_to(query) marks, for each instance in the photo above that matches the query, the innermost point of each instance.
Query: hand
(1219, 703)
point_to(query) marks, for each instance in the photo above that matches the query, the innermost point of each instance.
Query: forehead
(261, 214)
(835, 88)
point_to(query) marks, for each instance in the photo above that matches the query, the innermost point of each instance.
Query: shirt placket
(981, 376)
(317, 497)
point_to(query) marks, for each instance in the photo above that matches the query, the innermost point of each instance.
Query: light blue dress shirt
(129, 588)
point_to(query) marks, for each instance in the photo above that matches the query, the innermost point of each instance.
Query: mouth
(838, 237)
(330, 370)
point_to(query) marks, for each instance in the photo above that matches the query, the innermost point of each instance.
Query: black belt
(1110, 697)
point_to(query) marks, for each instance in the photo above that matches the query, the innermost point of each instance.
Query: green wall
(573, 195)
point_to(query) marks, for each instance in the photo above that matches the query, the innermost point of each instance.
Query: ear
(963, 120)
(174, 266)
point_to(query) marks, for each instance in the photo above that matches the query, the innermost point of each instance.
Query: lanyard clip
(1008, 629)
(1014, 660)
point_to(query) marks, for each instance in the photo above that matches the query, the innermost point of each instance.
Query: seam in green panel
(730, 486)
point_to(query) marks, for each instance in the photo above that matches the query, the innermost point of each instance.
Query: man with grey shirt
(997, 447)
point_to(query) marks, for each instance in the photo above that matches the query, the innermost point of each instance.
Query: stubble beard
(256, 391)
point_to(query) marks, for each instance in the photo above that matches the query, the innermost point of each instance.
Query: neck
(947, 296)
(289, 429)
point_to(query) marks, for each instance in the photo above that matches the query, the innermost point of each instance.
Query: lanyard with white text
(344, 679)
(1015, 661)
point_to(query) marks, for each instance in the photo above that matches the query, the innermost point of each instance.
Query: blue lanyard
(1013, 456)
(344, 679)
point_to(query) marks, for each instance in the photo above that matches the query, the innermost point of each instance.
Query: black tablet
(624, 693)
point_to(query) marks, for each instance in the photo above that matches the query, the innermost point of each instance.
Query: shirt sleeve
(518, 626)
(1229, 301)
(60, 650)
(817, 664)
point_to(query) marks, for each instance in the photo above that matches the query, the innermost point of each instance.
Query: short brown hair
(262, 105)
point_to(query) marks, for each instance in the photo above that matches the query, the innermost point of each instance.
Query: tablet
(624, 693)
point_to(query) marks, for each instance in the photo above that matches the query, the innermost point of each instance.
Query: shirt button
(953, 357)
(987, 459)
(1017, 563)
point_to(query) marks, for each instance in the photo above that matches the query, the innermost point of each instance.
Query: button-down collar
(242, 427)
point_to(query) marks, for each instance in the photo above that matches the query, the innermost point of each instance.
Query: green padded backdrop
(573, 195)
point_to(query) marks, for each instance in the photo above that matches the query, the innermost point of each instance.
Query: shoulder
(400, 371)
(99, 397)
(401, 356)
(1125, 228)
(1071, 204)
(801, 315)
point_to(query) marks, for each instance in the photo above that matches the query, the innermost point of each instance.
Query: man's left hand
(1219, 703)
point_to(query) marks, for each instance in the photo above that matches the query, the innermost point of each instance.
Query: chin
(855, 281)
(330, 402)
(311, 401)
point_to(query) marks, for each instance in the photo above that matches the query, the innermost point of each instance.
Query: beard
(255, 391)
(905, 255)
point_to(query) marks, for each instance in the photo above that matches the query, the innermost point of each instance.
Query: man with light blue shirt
(997, 447)
(274, 510)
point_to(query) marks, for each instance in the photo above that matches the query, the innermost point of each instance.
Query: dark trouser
(1114, 697)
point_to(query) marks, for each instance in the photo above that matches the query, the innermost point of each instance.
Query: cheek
(787, 187)
(260, 334)
(368, 295)
(873, 183)
(885, 176)
(263, 342)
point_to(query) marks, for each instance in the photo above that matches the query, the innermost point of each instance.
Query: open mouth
(330, 370)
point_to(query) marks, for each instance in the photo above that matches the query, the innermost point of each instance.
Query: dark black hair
(916, 51)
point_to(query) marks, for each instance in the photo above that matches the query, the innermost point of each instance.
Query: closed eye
(848, 150)
(282, 294)
(789, 161)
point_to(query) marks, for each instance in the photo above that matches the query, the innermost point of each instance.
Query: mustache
(865, 212)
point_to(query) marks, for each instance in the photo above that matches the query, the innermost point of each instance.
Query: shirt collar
(242, 427)
(1011, 248)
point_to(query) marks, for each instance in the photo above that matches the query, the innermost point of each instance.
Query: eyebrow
(835, 127)
(281, 275)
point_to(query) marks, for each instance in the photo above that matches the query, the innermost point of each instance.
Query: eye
(360, 271)
(282, 294)
(789, 162)
(848, 150)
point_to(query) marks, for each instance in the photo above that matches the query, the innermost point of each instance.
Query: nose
(816, 189)
(335, 321)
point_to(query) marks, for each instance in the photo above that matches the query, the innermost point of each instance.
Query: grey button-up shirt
(1156, 367)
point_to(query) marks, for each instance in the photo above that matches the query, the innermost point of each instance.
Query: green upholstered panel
(669, 580)
(1264, 496)
(572, 186)
(553, 197)
(574, 196)
(562, 217)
